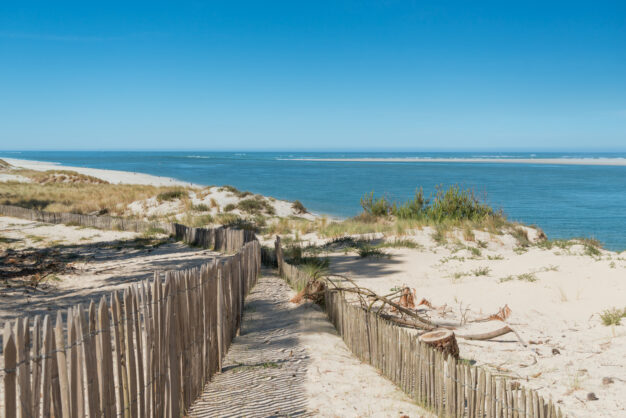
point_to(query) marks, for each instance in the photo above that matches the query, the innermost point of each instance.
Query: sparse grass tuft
(481, 271)
(525, 277)
(400, 243)
(613, 316)
(521, 235)
(367, 250)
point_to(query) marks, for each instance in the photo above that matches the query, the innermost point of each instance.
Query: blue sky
(313, 75)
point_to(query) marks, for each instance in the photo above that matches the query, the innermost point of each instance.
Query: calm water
(565, 200)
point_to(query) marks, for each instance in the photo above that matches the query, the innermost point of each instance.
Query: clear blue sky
(315, 74)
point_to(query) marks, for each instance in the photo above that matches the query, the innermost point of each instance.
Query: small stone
(607, 380)
(555, 351)
(592, 396)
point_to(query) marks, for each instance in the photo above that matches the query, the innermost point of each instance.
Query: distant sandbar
(552, 161)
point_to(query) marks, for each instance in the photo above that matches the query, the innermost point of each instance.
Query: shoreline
(618, 162)
(112, 176)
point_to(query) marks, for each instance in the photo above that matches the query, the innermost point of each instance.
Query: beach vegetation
(169, 195)
(201, 208)
(298, 207)
(613, 316)
(525, 277)
(255, 206)
(440, 236)
(401, 243)
(227, 219)
(481, 271)
(591, 246)
(230, 207)
(240, 194)
(521, 235)
(367, 250)
(151, 232)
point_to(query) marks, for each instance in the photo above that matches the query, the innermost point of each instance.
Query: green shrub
(201, 208)
(254, 206)
(451, 204)
(229, 207)
(171, 195)
(298, 207)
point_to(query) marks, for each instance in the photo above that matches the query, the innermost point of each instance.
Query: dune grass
(81, 198)
(613, 316)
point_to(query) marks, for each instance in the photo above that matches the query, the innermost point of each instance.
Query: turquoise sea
(564, 200)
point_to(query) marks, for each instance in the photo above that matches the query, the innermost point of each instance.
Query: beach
(566, 200)
(557, 293)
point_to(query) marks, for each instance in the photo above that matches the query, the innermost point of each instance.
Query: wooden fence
(446, 386)
(145, 352)
(92, 221)
(218, 239)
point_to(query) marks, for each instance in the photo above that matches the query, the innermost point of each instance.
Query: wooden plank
(62, 366)
(74, 374)
(90, 361)
(10, 355)
(130, 353)
(119, 359)
(22, 334)
(46, 367)
(106, 384)
(141, 406)
(55, 385)
(36, 368)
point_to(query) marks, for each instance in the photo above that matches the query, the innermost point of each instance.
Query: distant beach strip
(550, 161)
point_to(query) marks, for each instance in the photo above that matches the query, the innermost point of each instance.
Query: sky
(314, 75)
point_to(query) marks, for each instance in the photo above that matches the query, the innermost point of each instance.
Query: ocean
(565, 200)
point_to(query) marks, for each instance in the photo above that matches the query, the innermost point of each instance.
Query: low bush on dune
(171, 195)
(298, 207)
(256, 206)
(451, 204)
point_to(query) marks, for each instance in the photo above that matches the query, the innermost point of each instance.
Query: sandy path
(289, 361)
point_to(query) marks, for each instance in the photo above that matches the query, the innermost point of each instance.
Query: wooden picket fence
(218, 239)
(92, 221)
(144, 352)
(446, 386)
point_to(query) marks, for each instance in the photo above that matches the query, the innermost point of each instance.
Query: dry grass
(79, 197)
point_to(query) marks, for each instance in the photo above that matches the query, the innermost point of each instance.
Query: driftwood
(442, 340)
(487, 335)
(419, 321)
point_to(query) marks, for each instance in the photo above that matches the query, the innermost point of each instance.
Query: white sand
(551, 161)
(112, 176)
(560, 310)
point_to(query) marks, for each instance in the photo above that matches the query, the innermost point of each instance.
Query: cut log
(442, 340)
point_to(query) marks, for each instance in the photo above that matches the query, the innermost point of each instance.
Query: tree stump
(442, 340)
